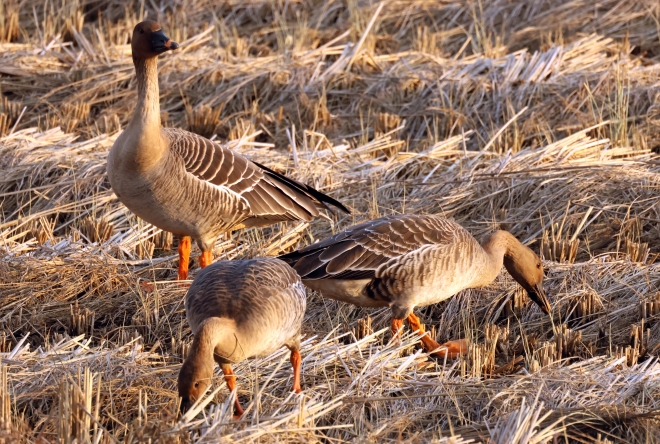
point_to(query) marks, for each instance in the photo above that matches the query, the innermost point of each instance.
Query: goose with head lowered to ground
(407, 261)
(188, 185)
(238, 310)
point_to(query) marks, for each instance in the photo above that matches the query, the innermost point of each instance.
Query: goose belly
(270, 344)
(345, 290)
(264, 335)
(427, 290)
(251, 344)
(432, 294)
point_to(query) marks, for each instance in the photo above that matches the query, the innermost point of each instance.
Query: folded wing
(359, 252)
(271, 196)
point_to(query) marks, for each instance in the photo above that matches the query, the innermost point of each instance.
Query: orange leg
(451, 349)
(397, 326)
(296, 360)
(205, 259)
(184, 257)
(230, 379)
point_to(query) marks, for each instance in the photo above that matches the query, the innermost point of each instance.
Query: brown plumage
(407, 261)
(238, 310)
(187, 184)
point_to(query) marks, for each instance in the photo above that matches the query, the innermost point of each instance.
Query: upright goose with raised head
(188, 185)
(413, 260)
(238, 310)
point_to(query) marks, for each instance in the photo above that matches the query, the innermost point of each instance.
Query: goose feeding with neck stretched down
(188, 185)
(407, 261)
(238, 310)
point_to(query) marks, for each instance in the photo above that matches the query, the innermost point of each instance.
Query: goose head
(526, 268)
(194, 378)
(149, 40)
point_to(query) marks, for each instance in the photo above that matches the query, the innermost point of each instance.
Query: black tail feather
(322, 198)
(293, 257)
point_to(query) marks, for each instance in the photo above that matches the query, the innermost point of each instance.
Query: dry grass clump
(542, 118)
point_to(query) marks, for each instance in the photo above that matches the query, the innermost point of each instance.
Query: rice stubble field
(541, 118)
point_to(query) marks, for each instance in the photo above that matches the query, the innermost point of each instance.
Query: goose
(188, 185)
(406, 261)
(238, 310)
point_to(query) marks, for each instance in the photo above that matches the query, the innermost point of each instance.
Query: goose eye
(538, 265)
(197, 385)
(141, 31)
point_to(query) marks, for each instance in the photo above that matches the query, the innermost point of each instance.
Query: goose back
(264, 297)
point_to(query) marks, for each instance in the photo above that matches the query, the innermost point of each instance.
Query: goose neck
(201, 352)
(148, 108)
(216, 336)
(497, 246)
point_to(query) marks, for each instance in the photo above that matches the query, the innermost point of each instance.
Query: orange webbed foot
(147, 287)
(451, 349)
(238, 410)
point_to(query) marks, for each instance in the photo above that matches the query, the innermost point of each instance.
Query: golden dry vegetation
(540, 117)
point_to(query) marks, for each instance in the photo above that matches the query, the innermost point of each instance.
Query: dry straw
(536, 117)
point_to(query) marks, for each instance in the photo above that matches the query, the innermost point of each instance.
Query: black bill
(161, 43)
(538, 296)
